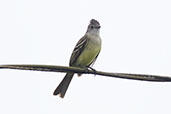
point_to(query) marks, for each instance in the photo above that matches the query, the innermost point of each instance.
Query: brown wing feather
(77, 50)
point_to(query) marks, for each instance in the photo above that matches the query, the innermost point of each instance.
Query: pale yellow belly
(89, 54)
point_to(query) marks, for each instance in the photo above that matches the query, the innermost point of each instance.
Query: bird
(84, 54)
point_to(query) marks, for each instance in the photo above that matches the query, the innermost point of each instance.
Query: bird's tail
(63, 86)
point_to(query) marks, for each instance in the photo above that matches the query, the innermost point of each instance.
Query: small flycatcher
(84, 54)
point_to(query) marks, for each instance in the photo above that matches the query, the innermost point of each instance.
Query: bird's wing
(78, 50)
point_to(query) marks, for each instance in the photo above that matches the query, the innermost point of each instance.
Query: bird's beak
(99, 27)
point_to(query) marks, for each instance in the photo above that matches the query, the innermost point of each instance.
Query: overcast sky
(136, 38)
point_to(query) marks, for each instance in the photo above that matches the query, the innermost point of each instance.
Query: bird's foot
(92, 69)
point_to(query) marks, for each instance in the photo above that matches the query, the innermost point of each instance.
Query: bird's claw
(92, 69)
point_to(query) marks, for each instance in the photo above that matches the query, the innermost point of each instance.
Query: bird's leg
(92, 69)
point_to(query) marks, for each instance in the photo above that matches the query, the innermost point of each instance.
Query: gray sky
(136, 39)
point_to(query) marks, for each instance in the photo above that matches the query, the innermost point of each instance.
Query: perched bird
(84, 54)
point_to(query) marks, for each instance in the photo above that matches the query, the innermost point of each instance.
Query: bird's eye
(91, 27)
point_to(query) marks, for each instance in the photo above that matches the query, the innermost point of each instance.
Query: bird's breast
(90, 52)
